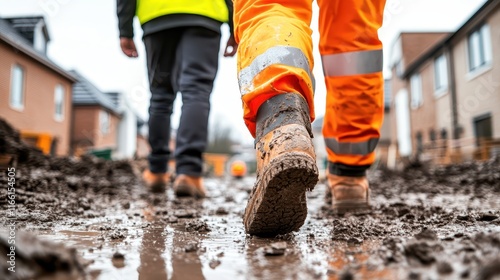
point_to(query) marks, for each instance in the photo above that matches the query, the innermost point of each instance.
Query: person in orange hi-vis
(275, 65)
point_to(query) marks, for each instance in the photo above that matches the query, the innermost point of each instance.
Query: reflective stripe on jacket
(150, 9)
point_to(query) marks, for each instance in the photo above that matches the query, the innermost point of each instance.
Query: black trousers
(181, 60)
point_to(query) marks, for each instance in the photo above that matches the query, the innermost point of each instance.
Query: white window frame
(417, 97)
(479, 49)
(59, 99)
(440, 75)
(17, 87)
(104, 122)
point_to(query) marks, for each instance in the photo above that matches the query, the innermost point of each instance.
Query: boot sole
(351, 205)
(278, 205)
(185, 191)
(157, 188)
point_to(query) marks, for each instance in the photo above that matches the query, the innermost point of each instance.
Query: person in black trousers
(182, 43)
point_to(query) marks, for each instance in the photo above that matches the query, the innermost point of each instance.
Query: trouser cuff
(280, 110)
(158, 163)
(340, 169)
(189, 165)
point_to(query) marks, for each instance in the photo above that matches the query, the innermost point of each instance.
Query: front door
(483, 128)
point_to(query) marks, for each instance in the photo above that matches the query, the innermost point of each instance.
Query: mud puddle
(415, 236)
(164, 238)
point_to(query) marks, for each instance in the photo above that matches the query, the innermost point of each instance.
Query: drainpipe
(456, 130)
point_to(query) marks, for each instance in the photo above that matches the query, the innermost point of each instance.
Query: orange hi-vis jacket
(275, 57)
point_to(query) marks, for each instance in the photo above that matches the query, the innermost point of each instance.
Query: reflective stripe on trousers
(288, 56)
(352, 148)
(352, 63)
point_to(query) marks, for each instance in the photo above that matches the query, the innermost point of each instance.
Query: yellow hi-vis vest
(150, 9)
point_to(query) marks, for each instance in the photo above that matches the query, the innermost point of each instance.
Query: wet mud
(92, 219)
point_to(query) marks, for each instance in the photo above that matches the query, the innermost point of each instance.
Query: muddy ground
(92, 219)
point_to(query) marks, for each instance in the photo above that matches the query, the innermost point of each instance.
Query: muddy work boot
(155, 182)
(349, 193)
(185, 185)
(286, 167)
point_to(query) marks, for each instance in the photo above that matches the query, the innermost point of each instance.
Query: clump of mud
(54, 188)
(35, 259)
(11, 145)
(441, 220)
(474, 177)
(50, 189)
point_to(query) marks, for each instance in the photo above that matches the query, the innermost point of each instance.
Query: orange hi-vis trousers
(275, 57)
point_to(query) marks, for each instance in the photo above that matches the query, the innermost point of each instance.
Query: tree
(220, 139)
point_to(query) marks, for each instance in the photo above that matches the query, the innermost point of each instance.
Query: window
(440, 75)
(479, 44)
(59, 102)
(104, 122)
(416, 91)
(17, 88)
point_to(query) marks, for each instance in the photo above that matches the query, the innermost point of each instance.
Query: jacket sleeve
(125, 10)
(229, 4)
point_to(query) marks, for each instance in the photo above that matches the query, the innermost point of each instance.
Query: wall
(87, 132)
(109, 140)
(85, 124)
(423, 118)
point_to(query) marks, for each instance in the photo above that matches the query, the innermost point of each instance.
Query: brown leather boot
(155, 182)
(185, 185)
(286, 169)
(349, 193)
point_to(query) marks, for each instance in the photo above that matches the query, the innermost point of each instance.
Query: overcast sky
(84, 37)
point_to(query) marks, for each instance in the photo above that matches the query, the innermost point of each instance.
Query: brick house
(446, 94)
(96, 117)
(35, 93)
